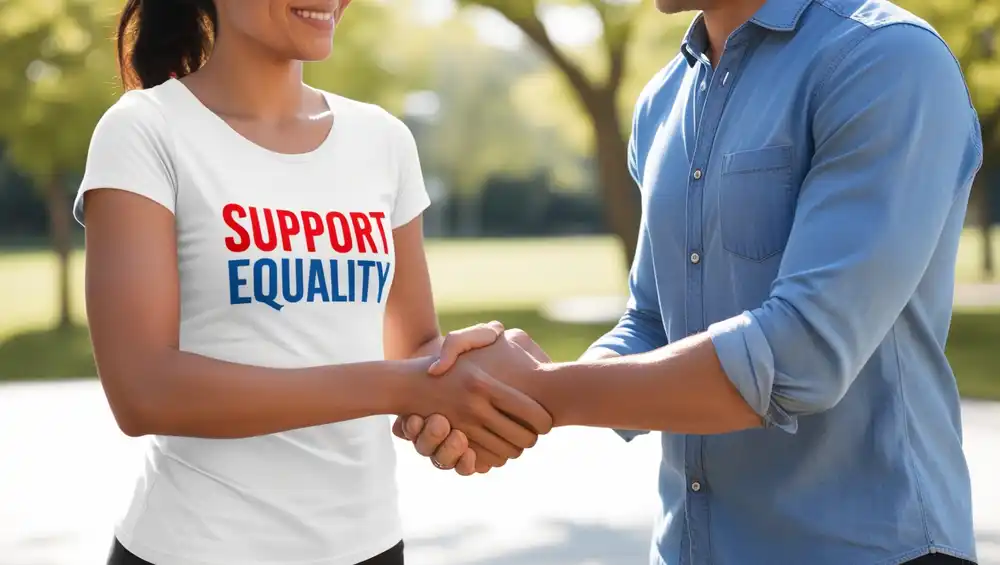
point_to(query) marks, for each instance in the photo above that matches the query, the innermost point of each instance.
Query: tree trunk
(622, 210)
(986, 231)
(60, 225)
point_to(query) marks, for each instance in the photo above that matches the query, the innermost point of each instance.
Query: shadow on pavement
(577, 544)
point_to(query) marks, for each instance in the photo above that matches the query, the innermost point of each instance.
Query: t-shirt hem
(158, 557)
(78, 201)
(401, 217)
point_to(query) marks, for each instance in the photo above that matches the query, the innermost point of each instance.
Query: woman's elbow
(134, 408)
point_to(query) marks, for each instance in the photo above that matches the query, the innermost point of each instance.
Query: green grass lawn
(473, 280)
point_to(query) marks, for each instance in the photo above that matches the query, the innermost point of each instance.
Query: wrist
(406, 381)
(548, 386)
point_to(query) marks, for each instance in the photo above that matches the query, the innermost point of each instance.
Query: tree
(596, 84)
(58, 76)
(363, 66)
(56, 80)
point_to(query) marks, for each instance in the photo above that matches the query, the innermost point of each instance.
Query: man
(804, 184)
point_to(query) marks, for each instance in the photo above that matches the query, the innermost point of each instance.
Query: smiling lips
(313, 14)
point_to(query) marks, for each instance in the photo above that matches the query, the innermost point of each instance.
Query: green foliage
(58, 75)
(364, 66)
(56, 79)
(635, 42)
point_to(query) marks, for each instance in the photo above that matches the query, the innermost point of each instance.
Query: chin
(313, 53)
(674, 6)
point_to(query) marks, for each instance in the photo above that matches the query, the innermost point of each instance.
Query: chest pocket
(756, 202)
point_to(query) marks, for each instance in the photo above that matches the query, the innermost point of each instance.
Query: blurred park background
(520, 109)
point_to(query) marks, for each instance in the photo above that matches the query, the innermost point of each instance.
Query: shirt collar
(774, 15)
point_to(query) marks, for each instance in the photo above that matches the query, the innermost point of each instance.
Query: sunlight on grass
(487, 274)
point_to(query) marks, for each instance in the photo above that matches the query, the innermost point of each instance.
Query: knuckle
(455, 442)
(516, 334)
(437, 430)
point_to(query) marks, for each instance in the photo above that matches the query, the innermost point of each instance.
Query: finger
(521, 408)
(524, 341)
(510, 431)
(412, 426)
(451, 450)
(397, 428)
(493, 444)
(436, 430)
(467, 463)
(482, 468)
(461, 341)
(485, 457)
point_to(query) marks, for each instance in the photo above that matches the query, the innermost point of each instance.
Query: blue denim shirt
(802, 203)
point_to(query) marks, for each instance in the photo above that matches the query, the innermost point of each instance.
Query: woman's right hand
(443, 441)
(498, 420)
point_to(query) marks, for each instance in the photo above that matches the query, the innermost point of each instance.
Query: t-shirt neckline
(237, 138)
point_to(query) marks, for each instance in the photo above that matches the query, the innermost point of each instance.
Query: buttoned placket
(712, 100)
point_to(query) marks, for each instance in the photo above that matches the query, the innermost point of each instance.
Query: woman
(250, 241)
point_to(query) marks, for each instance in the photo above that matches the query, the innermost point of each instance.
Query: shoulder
(664, 83)
(857, 45)
(878, 32)
(136, 117)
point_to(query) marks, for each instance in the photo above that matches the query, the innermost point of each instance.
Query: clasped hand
(472, 416)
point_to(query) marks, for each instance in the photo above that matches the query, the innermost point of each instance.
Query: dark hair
(160, 39)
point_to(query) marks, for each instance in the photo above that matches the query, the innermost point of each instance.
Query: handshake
(475, 411)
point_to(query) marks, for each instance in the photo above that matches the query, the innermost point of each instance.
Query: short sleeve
(411, 194)
(129, 151)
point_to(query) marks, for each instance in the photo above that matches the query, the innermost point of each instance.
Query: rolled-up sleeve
(896, 146)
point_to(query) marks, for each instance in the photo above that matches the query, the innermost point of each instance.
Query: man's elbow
(813, 393)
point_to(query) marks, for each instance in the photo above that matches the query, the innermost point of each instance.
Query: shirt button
(695, 258)
(703, 86)
(697, 174)
(696, 486)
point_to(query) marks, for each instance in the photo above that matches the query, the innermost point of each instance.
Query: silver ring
(438, 465)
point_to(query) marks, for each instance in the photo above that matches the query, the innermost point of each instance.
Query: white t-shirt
(284, 261)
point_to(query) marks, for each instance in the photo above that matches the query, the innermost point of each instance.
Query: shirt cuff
(748, 361)
(629, 435)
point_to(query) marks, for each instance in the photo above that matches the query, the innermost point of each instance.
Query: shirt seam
(870, 31)
(836, 62)
(171, 147)
(906, 438)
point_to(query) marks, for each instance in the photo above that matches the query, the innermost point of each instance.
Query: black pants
(121, 556)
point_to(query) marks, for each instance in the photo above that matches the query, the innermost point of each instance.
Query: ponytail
(160, 39)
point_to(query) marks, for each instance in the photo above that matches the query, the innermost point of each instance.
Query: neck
(721, 20)
(241, 80)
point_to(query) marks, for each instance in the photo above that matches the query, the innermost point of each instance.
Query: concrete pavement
(582, 497)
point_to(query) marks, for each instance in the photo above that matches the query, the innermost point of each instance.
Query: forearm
(430, 348)
(680, 388)
(184, 394)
